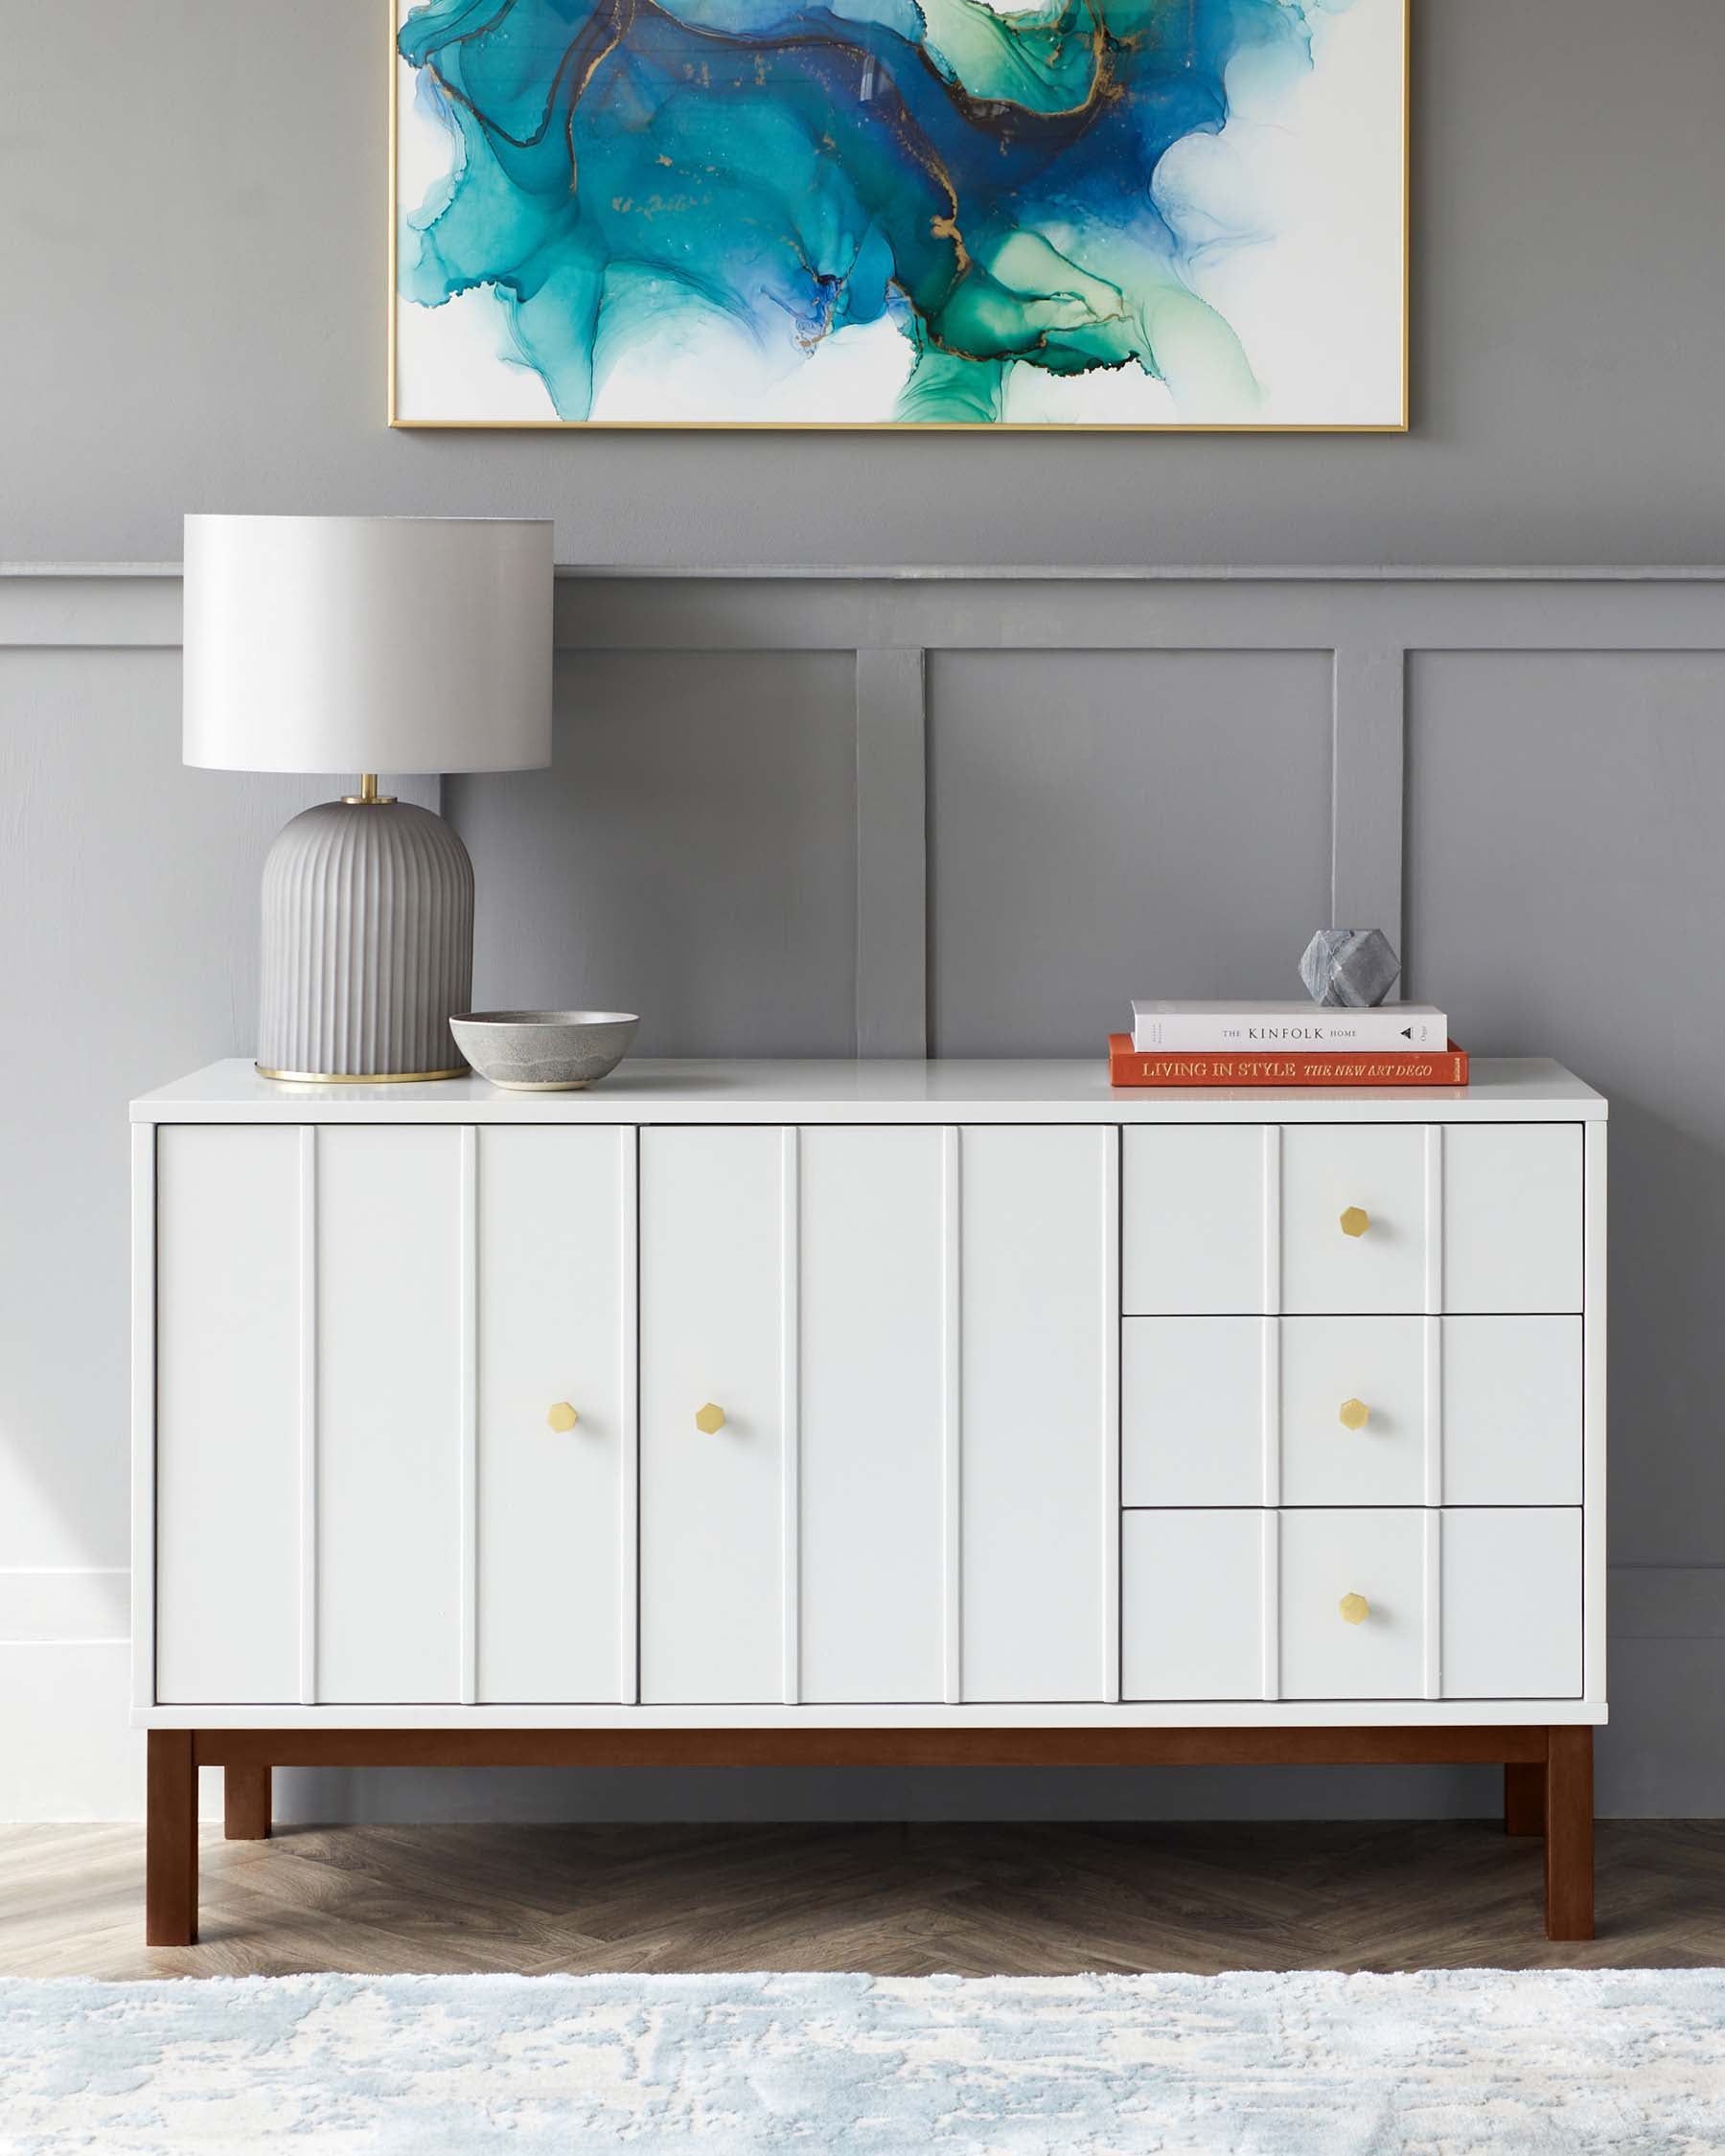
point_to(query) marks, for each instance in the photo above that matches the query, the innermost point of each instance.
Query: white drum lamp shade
(366, 644)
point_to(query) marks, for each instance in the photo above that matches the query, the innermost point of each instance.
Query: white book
(1244, 1029)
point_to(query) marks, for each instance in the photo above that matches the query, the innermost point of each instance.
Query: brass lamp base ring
(359, 1077)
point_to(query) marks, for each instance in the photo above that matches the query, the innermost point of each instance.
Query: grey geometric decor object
(1350, 969)
(368, 944)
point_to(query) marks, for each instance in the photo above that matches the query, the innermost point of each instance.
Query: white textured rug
(1313, 2065)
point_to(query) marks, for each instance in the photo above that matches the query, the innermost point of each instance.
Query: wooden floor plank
(897, 1901)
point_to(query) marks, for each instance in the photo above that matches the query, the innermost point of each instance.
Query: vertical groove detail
(791, 1407)
(308, 1414)
(951, 1414)
(368, 942)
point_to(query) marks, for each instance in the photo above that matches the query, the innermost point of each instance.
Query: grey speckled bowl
(544, 1051)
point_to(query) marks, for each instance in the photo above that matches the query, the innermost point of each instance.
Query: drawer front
(1511, 1390)
(1370, 1602)
(1330, 1219)
(1512, 1622)
(1193, 1219)
(1512, 1217)
(1331, 1562)
(1192, 1422)
(1350, 1411)
(1355, 1395)
(1192, 1605)
(1353, 1219)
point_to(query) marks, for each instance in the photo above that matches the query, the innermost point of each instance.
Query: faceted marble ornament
(1349, 968)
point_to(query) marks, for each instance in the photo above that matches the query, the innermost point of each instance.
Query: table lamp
(366, 644)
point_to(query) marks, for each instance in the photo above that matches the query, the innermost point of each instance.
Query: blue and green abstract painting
(909, 210)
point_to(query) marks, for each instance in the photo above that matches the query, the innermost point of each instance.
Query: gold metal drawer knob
(562, 1416)
(1355, 1221)
(709, 1420)
(1354, 1609)
(1354, 1414)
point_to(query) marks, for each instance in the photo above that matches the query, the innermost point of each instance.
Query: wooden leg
(170, 1852)
(1524, 1797)
(1569, 1851)
(245, 1804)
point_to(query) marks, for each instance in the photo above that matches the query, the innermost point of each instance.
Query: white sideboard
(949, 1411)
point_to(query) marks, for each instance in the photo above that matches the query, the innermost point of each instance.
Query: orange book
(1128, 1066)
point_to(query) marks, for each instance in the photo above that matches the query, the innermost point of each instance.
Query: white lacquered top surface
(1003, 1090)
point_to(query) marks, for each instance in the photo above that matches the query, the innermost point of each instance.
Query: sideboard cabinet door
(713, 1301)
(389, 1334)
(1040, 1477)
(227, 1436)
(873, 1420)
(555, 1414)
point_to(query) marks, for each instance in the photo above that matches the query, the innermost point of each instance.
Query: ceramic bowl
(544, 1051)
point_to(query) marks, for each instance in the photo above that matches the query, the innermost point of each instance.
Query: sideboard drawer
(1192, 1605)
(1377, 1554)
(1350, 1411)
(1512, 1217)
(1319, 1219)
(1370, 1602)
(1353, 1219)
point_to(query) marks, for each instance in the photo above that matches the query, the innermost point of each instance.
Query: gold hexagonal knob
(1355, 1221)
(1354, 1609)
(562, 1416)
(709, 1420)
(1353, 1414)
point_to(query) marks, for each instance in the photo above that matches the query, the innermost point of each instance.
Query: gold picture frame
(1268, 428)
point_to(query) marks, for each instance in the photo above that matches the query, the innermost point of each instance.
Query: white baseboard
(69, 1754)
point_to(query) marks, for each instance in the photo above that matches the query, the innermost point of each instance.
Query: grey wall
(191, 315)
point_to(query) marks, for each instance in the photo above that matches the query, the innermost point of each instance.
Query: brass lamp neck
(368, 796)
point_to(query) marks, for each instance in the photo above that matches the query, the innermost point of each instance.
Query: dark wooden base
(1524, 1797)
(1548, 1776)
(171, 1841)
(245, 1804)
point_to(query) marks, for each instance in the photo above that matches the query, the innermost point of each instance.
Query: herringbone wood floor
(894, 1900)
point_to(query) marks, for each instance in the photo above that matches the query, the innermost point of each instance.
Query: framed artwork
(1119, 213)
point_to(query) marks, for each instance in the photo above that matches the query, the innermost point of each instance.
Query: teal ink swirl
(984, 182)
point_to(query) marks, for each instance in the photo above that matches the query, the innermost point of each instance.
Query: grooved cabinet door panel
(713, 1301)
(1511, 1603)
(1192, 1410)
(389, 1414)
(1193, 1221)
(1335, 1172)
(1039, 1323)
(556, 1228)
(1512, 1217)
(1192, 1604)
(872, 1428)
(1378, 1556)
(227, 1414)
(1512, 1411)
(1353, 1410)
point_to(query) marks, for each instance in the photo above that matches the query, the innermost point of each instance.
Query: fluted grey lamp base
(368, 945)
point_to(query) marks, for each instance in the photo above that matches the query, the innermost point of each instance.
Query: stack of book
(1285, 1044)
